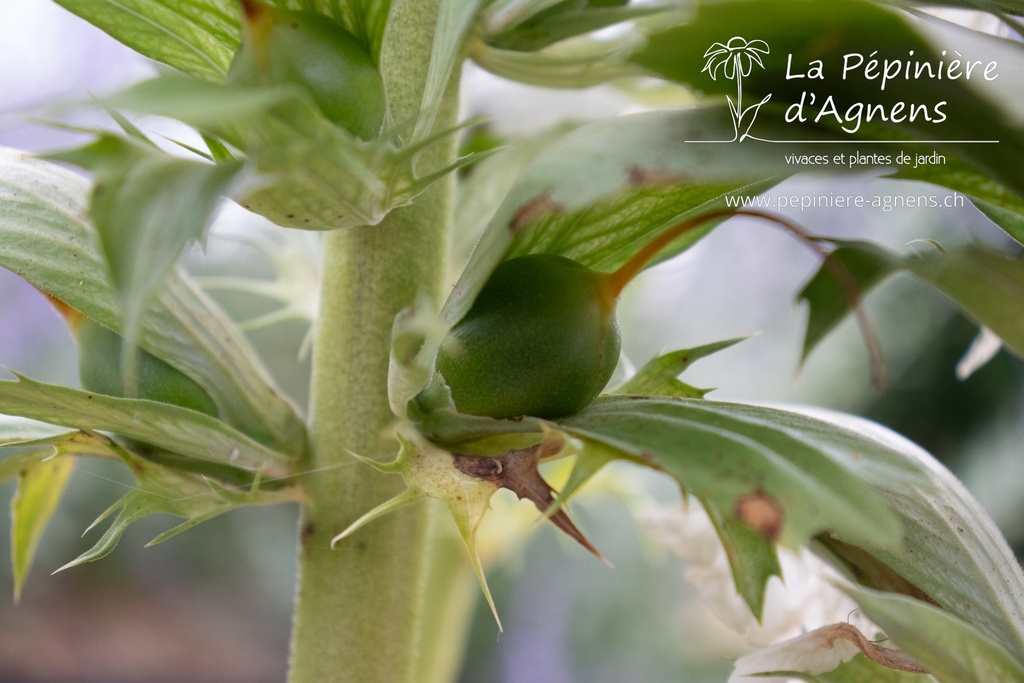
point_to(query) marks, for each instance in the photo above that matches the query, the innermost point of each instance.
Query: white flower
(807, 598)
(804, 599)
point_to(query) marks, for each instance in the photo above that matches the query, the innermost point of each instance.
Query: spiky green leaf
(753, 559)
(786, 474)
(175, 429)
(302, 171)
(197, 37)
(141, 215)
(40, 488)
(987, 286)
(952, 552)
(659, 376)
(160, 490)
(782, 474)
(46, 238)
(200, 37)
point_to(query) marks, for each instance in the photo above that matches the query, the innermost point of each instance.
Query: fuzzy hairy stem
(361, 607)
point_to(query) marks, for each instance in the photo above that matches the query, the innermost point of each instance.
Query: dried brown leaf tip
(539, 206)
(517, 471)
(887, 657)
(821, 651)
(762, 513)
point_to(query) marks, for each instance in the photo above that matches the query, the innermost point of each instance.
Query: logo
(734, 60)
(845, 92)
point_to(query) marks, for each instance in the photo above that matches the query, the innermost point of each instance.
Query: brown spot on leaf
(539, 206)
(762, 513)
(517, 471)
(308, 529)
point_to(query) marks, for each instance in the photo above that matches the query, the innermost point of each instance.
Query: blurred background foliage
(214, 604)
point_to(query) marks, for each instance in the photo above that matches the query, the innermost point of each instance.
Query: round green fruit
(280, 47)
(99, 367)
(540, 339)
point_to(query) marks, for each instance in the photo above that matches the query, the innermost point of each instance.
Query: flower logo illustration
(734, 60)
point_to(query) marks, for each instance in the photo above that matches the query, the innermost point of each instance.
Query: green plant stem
(360, 607)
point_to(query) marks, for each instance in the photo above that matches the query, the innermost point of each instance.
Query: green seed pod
(99, 367)
(540, 339)
(307, 49)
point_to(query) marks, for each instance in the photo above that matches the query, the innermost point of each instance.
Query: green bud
(99, 367)
(307, 49)
(540, 339)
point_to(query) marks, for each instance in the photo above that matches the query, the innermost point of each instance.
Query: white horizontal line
(859, 142)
